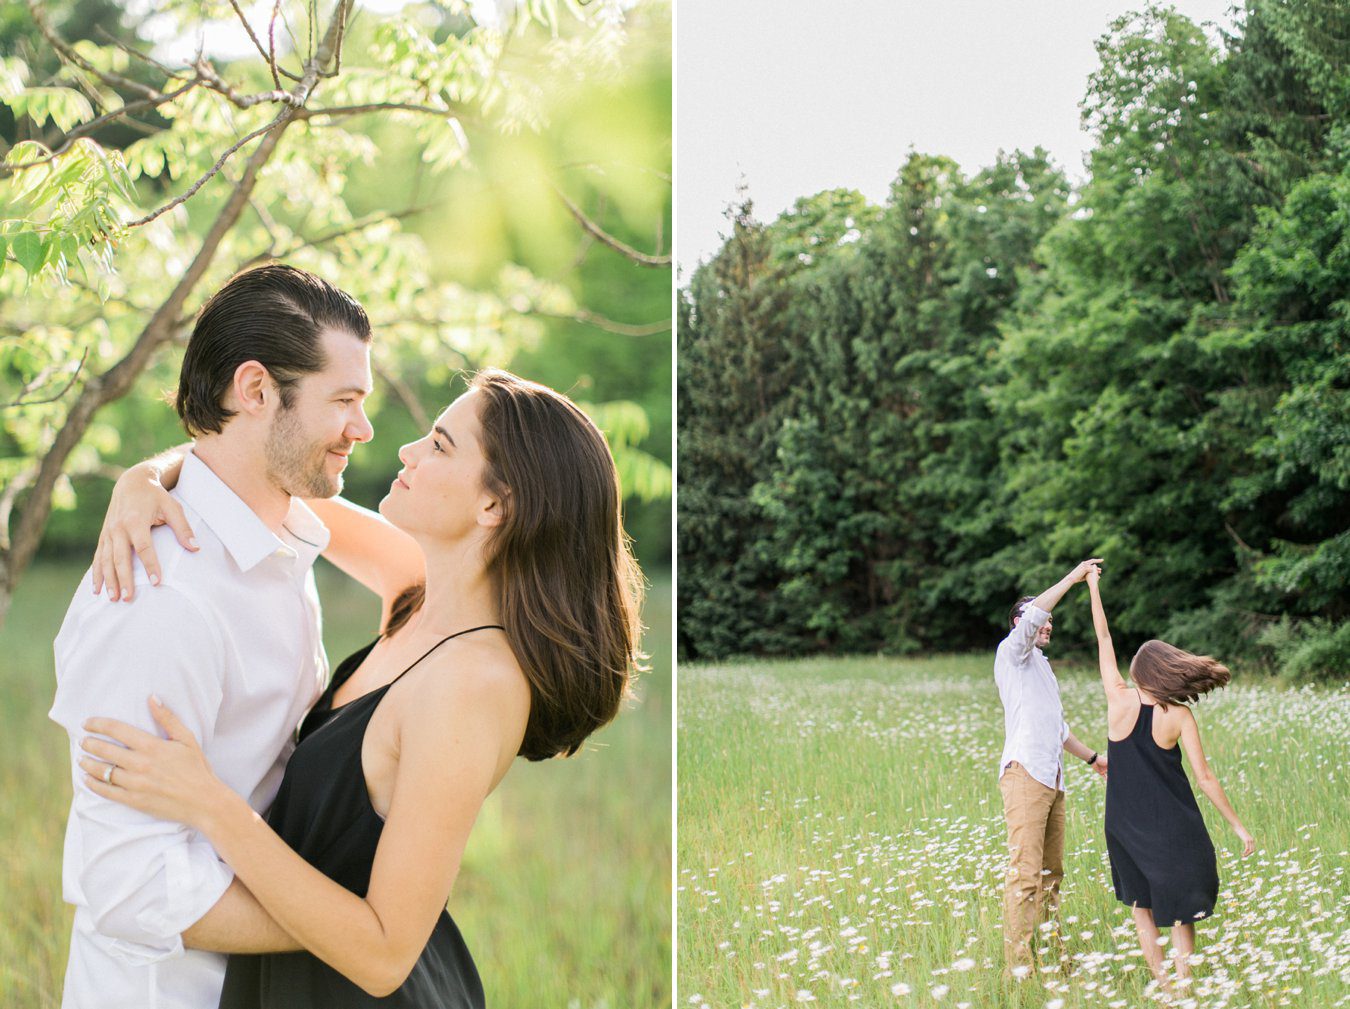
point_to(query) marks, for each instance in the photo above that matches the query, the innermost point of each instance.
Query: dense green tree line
(895, 420)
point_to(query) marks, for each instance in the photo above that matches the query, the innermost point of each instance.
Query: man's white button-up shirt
(1034, 729)
(230, 641)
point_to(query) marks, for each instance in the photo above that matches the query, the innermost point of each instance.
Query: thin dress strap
(481, 627)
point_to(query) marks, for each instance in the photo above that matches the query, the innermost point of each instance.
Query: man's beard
(296, 466)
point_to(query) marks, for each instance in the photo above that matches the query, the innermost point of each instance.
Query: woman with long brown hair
(509, 628)
(1162, 860)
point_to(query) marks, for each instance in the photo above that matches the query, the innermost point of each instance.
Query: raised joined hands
(1085, 568)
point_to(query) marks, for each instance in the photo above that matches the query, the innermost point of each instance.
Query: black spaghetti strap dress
(323, 811)
(1161, 855)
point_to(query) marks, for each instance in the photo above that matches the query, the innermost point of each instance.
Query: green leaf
(25, 150)
(447, 146)
(13, 72)
(623, 421)
(64, 107)
(642, 476)
(30, 250)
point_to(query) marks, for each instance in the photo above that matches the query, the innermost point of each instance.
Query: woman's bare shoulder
(1171, 722)
(1179, 716)
(1122, 697)
(477, 673)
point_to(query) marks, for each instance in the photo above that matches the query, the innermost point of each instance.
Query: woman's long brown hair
(568, 588)
(1174, 676)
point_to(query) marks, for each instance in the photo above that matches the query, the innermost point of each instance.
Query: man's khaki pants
(1035, 816)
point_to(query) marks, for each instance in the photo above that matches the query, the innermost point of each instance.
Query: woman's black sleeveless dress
(1161, 854)
(323, 811)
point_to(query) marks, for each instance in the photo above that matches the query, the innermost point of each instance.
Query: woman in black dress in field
(1162, 860)
(509, 628)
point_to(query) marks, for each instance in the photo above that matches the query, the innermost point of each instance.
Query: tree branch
(267, 221)
(100, 390)
(272, 43)
(75, 59)
(590, 318)
(641, 258)
(353, 110)
(370, 220)
(8, 496)
(1238, 539)
(130, 50)
(283, 117)
(405, 394)
(337, 49)
(218, 84)
(270, 60)
(40, 380)
(93, 124)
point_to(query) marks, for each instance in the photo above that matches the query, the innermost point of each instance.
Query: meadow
(841, 842)
(564, 896)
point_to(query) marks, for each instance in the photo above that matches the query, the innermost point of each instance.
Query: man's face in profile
(1042, 633)
(308, 444)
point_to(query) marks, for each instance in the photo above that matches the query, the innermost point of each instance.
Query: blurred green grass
(564, 896)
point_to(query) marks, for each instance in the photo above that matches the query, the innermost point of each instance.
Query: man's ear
(253, 388)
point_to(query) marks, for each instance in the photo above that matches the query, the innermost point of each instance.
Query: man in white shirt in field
(1031, 770)
(272, 386)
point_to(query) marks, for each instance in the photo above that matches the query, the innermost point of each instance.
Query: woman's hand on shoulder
(139, 503)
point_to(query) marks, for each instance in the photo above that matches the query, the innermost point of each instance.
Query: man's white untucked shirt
(1034, 729)
(230, 641)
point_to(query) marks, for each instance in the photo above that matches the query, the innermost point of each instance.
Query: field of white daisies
(841, 842)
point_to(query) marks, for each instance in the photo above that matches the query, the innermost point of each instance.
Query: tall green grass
(841, 842)
(564, 896)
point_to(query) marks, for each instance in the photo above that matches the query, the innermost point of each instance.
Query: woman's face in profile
(439, 491)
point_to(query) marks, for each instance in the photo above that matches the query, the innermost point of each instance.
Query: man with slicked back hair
(273, 385)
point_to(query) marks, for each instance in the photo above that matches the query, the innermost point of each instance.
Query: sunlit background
(532, 232)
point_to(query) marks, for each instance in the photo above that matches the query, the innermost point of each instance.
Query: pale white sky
(802, 96)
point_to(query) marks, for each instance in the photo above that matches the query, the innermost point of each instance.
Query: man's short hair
(275, 315)
(1017, 609)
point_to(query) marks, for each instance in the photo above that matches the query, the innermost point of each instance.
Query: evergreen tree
(733, 379)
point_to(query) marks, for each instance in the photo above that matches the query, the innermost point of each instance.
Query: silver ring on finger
(107, 775)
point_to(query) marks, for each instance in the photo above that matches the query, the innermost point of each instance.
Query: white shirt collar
(244, 535)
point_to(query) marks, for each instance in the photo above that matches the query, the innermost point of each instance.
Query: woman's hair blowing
(568, 588)
(1174, 676)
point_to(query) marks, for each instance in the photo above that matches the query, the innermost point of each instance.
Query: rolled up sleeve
(1022, 638)
(141, 880)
